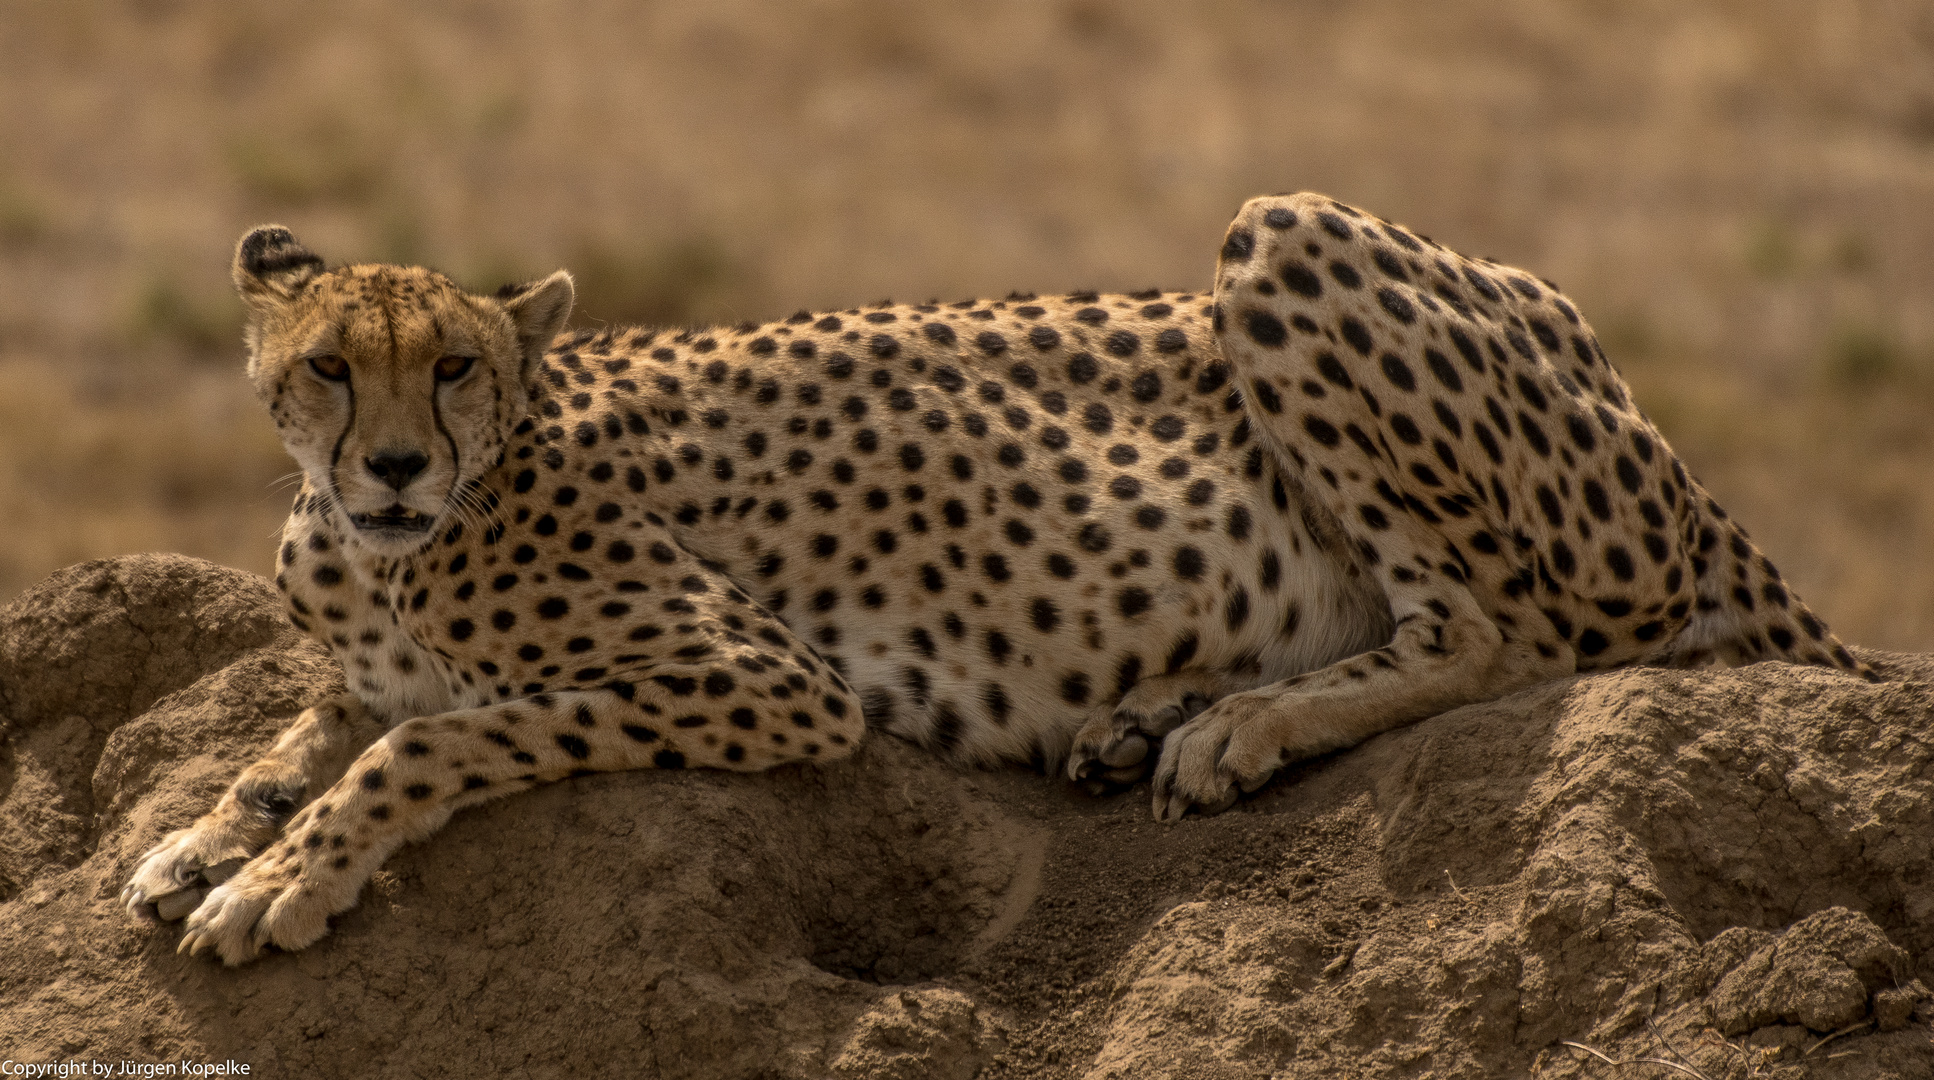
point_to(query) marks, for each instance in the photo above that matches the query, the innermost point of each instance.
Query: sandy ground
(1721, 869)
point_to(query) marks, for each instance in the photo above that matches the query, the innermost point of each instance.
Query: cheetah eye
(452, 368)
(333, 368)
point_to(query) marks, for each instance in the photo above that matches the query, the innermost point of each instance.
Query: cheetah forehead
(381, 314)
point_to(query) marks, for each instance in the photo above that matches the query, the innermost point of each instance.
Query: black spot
(1655, 547)
(1302, 279)
(1534, 435)
(1074, 688)
(1397, 305)
(1598, 503)
(1265, 329)
(1181, 654)
(1045, 614)
(1236, 611)
(1628, 474)
(1619, 561)
(1238, 524)
(1133, 601)
(1488, 441)
(1532, 393)
(1358, 337)
(1239, 246)
(1548, 502)
(998, 646)
(1440, 366)
(1189, 563)
(1581, 431)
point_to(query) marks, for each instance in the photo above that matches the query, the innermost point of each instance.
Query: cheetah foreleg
(1446, 653)
(174, 876)
(406, 785)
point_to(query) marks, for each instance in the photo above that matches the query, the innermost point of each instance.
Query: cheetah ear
(271, 265)
(538, 308)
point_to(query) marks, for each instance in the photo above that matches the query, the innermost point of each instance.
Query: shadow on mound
(1739, 860)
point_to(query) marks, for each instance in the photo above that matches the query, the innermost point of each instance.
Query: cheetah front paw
(175, 875)
(1116, 748)
(1228, 749)
(265, 904)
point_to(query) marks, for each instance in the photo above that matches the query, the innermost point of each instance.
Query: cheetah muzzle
(1188, 536)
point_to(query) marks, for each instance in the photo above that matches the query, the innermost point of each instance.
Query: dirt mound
(1727, 866)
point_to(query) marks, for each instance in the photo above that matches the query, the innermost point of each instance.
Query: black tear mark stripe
(335, 453)
(436, 418)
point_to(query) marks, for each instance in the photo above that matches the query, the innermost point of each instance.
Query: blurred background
(1740, 194)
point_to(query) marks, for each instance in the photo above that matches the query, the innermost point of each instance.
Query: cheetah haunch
(1367, 481)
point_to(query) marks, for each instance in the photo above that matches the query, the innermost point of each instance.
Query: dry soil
(1718, 868)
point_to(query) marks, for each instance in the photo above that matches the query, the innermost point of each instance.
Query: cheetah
(1180, 536)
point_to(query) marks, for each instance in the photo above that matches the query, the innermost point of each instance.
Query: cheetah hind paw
(1118, 746)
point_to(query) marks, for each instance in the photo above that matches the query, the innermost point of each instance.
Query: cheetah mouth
(395, 519)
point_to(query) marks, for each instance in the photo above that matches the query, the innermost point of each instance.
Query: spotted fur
(1364, 481)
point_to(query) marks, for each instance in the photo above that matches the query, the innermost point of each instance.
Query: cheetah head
(394, 389)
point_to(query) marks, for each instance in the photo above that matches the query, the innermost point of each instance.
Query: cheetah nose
(394, 469)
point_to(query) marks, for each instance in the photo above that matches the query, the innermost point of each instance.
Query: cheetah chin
(1184, 537)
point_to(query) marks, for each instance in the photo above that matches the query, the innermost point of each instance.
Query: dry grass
(92, 470)
(1739, 192)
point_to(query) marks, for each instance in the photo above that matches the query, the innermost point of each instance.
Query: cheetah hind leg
(1120, 742)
